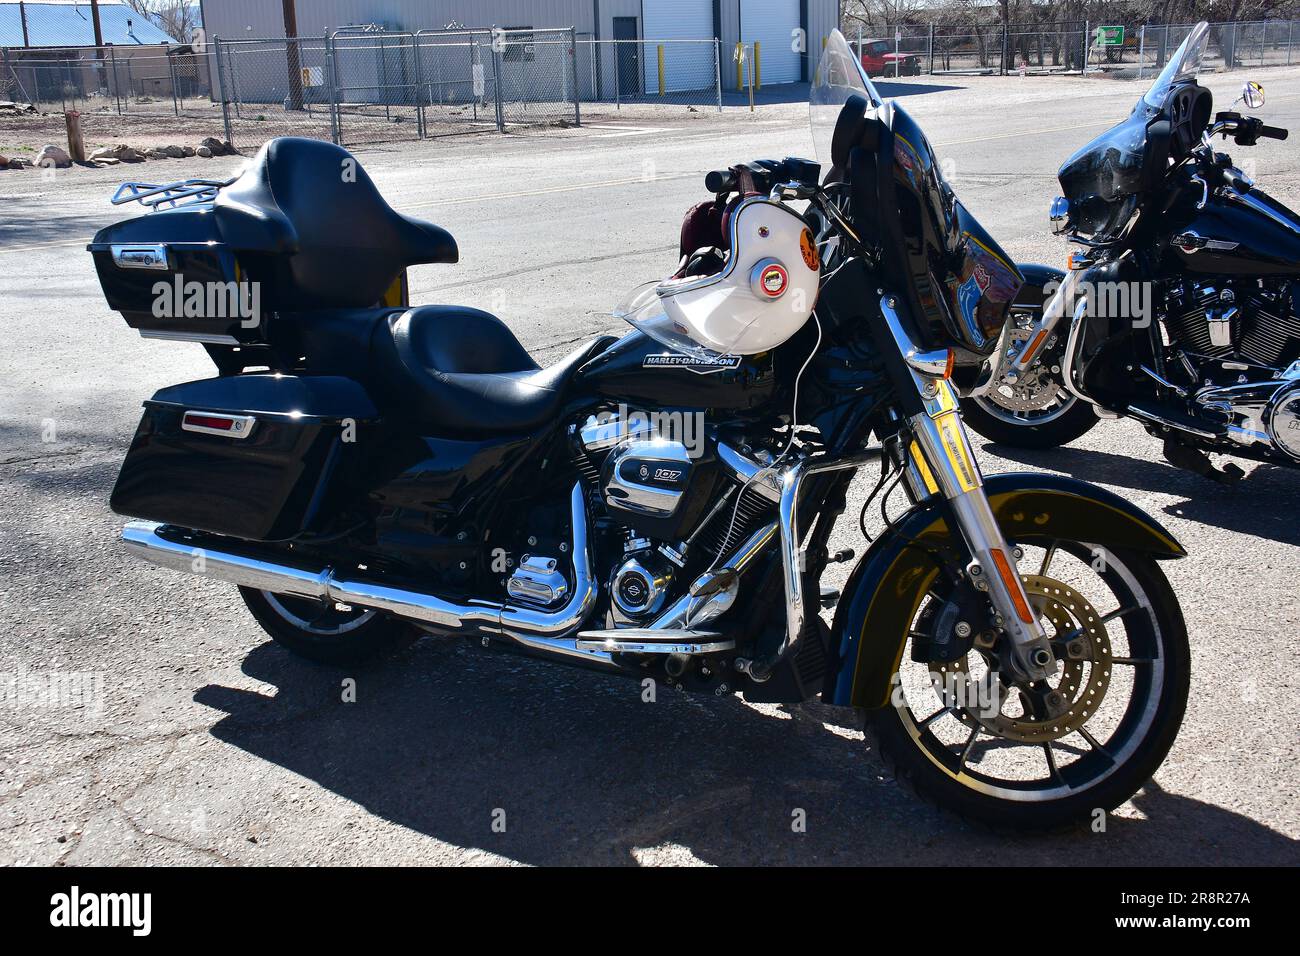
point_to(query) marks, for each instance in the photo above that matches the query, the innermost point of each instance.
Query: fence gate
(536, 77)
(458, 84)
(376, 86)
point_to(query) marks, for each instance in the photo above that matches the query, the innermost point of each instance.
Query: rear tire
(325, 633)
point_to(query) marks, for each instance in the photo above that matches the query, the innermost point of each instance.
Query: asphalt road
(204, 743)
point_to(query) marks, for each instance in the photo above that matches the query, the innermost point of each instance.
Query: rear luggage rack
(171, 195)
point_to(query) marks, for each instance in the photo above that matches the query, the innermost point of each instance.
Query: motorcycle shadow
(1262, 504)
(446, 740)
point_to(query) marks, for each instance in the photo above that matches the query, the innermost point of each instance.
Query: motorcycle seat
(460, 369)
(310, 208)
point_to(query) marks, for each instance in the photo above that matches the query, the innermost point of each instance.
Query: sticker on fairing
(808, 246)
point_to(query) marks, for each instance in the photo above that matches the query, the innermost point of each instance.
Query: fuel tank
(1245, 235)
(638, 370)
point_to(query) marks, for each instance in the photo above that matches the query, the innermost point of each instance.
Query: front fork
(942, 462)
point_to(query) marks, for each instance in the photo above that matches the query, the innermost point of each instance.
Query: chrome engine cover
(647, 477)
(640, 586)
(1284, 419)
(538, 582)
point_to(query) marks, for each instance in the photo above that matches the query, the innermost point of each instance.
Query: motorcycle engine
(672, 506)
(1240, 345)
(1254, 321)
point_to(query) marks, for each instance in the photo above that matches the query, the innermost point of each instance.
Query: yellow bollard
(661, 69)
(758, 66)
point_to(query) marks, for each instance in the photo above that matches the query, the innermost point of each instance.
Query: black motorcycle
(367, 472)
(1181, 309)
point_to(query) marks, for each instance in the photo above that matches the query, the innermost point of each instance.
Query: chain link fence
(638, 75)
(991, 47)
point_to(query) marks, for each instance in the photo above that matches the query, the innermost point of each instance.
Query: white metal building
(787, 55)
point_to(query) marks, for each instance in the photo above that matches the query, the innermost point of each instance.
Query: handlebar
(1273, 132)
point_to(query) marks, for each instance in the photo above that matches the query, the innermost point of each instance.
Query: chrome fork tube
(1054, 309)
(951, 469)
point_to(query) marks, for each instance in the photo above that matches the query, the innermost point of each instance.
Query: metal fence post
(929, 50)
(1290, 26)
(496, 83)
(117, 92)
(1002, 67)
(171, 73)
(573, 71)
(221, 90)
(335, 133)
(418, 70)
(717, 71)
(1083, 70)
(1230, 55)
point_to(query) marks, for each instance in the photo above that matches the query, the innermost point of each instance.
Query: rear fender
(884, 591)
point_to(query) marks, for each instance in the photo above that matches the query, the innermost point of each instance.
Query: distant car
(879, 59)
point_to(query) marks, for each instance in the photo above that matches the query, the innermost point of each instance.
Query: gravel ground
(204, 744)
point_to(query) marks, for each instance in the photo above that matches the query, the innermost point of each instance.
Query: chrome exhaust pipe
(551, 632)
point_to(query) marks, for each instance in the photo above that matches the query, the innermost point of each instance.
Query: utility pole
(291, 54)
(94, 19)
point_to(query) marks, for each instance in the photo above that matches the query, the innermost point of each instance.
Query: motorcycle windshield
(839, 76)
(1183, 65)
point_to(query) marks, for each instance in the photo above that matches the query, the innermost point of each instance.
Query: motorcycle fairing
(960, 282)
(881, 597)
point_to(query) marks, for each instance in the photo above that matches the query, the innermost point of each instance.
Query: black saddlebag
(259, 457)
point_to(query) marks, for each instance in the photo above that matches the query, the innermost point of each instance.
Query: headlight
(1059, 214)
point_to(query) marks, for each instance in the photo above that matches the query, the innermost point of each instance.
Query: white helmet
(763, 294)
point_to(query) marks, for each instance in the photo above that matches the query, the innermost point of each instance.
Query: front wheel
(1049, 754)
(1037, 410)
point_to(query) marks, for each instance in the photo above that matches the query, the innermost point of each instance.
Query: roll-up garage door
(672, 23)
(772, 23)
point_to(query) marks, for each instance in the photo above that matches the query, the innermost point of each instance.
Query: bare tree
(176, 18)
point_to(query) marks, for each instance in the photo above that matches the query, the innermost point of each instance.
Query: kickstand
(1193, 459)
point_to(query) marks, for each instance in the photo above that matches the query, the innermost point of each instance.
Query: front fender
(1037, 277)
(883, 593)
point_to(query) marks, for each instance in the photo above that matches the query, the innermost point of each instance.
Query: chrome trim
(180, 193)
(695, 610)
(1058, 214)
(241, 425)
(646, 499)
(546, 631)
(644, 640)
(792, 564)
(537, 580)
(1073, 343)
(140, 255)
(761, 478)
(201, 337)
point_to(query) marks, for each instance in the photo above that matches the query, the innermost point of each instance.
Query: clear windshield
(839, 76)
(1183, 65)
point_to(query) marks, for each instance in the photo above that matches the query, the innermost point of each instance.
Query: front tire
(1058, 427)
(1046, 771)
(325, 632)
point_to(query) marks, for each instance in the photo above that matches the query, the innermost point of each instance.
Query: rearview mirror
(1253, 94)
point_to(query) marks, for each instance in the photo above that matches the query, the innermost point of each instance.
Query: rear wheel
(1049, 754)
(327, 632)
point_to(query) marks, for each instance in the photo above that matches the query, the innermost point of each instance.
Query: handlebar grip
(1273, 132)
(720, 181)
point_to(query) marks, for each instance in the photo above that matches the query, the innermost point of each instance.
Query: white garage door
(687, 66)
(772, 23)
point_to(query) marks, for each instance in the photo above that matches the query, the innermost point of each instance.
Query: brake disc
(1079, 640)
(1033, 391)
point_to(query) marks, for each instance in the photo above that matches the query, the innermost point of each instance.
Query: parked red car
(879, 59)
